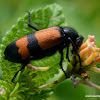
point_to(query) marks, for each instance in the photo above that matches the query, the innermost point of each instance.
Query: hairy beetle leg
(22, 67)
(62, 57)
(67, 54)
(31, 67)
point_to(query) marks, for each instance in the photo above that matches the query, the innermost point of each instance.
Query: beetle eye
(4, 57)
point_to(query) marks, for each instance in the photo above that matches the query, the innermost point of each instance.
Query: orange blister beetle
(43, 43)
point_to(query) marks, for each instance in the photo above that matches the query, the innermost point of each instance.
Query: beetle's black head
(79, 41)
(69, 32)
(74, 36)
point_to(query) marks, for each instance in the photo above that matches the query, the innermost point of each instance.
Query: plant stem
(61, 78)
(94, 69)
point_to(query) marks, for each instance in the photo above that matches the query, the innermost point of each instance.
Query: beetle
(42, 43)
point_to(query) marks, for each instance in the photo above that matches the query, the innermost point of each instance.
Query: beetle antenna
(29, 21)
(75, 49)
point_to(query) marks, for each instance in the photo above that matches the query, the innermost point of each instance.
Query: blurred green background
(82, 15)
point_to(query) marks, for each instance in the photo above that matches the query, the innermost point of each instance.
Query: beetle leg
(29, 66)
(61, 52)
(22, 67)
(67, 54)
(30, 25)
(75, 50)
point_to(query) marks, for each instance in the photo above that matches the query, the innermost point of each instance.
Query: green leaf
(41, 18)
(12, 91)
